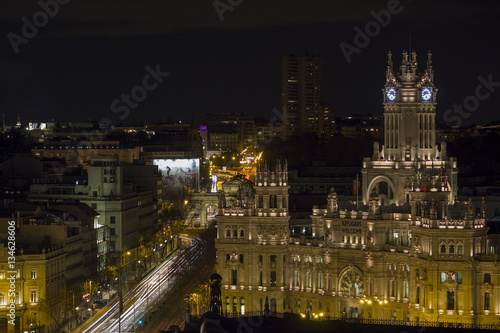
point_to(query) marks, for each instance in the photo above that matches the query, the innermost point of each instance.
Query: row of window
(406, 268)
(33, 274)
(451, 249)
(234, 303)
(33, 297)
(235, 233)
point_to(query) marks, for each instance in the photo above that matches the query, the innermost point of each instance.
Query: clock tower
(409, 99)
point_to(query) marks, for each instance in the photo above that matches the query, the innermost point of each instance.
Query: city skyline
(81, 60)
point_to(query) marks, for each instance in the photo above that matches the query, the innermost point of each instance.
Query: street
(142, 301)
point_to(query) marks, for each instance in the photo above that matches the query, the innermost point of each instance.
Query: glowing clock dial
(391, 94)
(426, 94)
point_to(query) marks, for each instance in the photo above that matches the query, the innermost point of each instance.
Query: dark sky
(92, 51)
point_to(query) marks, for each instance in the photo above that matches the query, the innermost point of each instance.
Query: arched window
(354, 290)
(34, 274)
(228, 233)
(242, 233)
(443, 248)
(235, 233)
(487, 278)
(460, 249)
(273, 305)
(451, 249)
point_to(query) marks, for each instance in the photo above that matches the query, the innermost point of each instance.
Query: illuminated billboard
(179, 176)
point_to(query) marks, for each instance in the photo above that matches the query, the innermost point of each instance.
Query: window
(443, 277)
(273, 278)
(459, 278)
(393, 288)
(418, 271)
(354, 290)
(487, 278)
(460, 249)
(235, 233)
(443, 249)
(228, 233)
(112, 231)
(234, 277)
(320, 281)
(112, 220)
(94, 195)
(309, 280)
(242, 305)
(452, 249)
(273, 305)
(112, 246)
(297, 278)
(235, 305)
(260, 278)
(242, 233)
(450, 300)
(273, 259)
(418, 295)
(260, 259)
(18, 299)
(34, 274)
(405, 289)
(2, 299)
(241, 258)
(34, 296)
(487, 301)
(227, 305)
(228, 257)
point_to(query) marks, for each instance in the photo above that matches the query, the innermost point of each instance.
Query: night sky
(93, 51)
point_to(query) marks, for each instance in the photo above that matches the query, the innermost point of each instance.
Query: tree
(200, 297)
(55, 310)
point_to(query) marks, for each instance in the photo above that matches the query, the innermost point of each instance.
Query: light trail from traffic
(146, 295)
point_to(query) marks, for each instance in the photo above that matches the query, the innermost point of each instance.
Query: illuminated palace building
(410, 254)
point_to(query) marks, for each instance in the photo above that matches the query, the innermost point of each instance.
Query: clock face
(426, 94)
(391, 94)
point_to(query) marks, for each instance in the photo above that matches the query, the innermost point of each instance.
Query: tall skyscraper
(301, 95)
